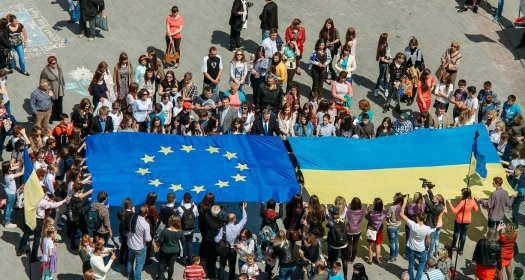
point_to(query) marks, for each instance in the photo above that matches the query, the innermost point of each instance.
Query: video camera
(426, 183)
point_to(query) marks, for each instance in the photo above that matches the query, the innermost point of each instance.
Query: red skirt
(485, 272)
(379, 237)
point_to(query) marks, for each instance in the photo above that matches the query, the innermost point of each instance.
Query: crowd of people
(149, 98)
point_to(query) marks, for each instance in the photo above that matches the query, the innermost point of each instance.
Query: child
(443, 92)
(250, 267)
(40, 160)
(178, 106)
(63, 131)
(49, 254)
(359, 272)
(10, 177)
(167, 108)
(483, 95)
(314, 99)
(444, 263)
(116, 115)
(510, 110)
(472, 104)
(49, 180)
(335, 272)
(460, 95)
(195, 270)
(326, 128)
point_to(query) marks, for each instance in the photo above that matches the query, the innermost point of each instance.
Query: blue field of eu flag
(233, 167)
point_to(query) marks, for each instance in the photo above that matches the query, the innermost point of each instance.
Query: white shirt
(3, 91)
(97, 264)
(141, 109)
(116, 119)
(270, 47)
(10, 184)
(472, 103)
(443, 88)
(418, 233)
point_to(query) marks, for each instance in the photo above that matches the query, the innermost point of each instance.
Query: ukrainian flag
(33, 192)
(380, 167)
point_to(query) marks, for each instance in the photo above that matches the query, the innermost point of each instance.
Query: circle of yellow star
(242, 167)
(176, 187)
(155, 183)
(212, 149)
(230, 155)
(239, 177)
(143, 171)
(147, 159)
(222, 184)
(187, 149)
(165, 150)
(198, 189)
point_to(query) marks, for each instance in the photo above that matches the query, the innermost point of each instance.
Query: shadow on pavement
(221, 38)
(12, 238)
(68, 276)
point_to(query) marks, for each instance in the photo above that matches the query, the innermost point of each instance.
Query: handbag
(223, 246)
(102, 22)
(293, 234)
(371, 234)
(171, 54)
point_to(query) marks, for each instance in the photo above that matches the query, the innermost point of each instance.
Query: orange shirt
(458, 210)
(426, 95)
(175, 24)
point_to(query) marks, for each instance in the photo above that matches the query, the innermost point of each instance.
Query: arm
(403, 207)
(33, 102)
(219, 236)
(337, 58)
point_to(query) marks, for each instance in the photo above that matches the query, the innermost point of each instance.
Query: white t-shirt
(10, 184)
(116, 119)
(472, 103)
(443, 88)
(270, 47)
(3, 90)
(47, 246)
(418, 234)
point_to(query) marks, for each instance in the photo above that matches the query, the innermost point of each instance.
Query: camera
(426, 183)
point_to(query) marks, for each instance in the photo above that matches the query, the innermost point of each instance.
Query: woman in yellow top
(280, 68)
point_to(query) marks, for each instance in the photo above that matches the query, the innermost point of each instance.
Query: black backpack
(166, 212)
(188, 218)
(94, 221)
(129, 223)
(338, 234)
(73, 213)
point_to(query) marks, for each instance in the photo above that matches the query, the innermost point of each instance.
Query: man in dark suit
(101, 123)
(226, 114)
(236, 22)
(267, 125)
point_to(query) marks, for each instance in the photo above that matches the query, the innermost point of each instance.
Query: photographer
(231, 231)
(309, 254)
(435, 205)
(97, 261)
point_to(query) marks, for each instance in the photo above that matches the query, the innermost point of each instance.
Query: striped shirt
(194, 272)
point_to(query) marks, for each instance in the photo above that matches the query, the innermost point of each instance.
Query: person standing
(174, 25)
(18, 39)
(417, 241)
(487, 256)
(5, 45)
(122, 78)
(104, 230)
(463, 211)
(10, 176)
(53, 73)
(212, 70)
(296, 31)
(41, 104)
(230, 231)
(99, 266)
(89, 9)
(450, 61)
(496, 203)
(171, 239)
(189, 214)
(268, 18)
(517, 181)
(237, 17)
(137, 245)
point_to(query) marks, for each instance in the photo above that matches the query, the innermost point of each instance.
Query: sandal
(176, 65)
(368, 261)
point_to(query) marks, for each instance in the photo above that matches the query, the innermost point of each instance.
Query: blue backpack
(94, 220)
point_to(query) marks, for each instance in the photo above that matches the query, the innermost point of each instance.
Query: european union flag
(233, 167)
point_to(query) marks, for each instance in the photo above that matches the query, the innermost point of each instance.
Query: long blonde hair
(280, 239)
(340, 203)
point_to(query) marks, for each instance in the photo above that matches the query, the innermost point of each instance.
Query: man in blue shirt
(510, 110)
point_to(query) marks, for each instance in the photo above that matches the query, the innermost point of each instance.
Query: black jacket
(236, 19)
(95, 128)
(268, 16)
(268, 97)
(285, 254)
(4, 40)
(487, 253)
(91, 8)
(213, 226)
(432, 210)
(273, 127)
(269, 217)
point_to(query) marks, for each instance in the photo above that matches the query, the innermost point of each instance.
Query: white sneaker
(376, 92)
(11, 225)
(80, 35)
(386, 92)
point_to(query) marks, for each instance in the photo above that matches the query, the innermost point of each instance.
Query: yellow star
(155, 183)
(165, 150)
(176, 187)
(222, 184)
(242, 167)
(230, 155)
(147, 158)
(239, 177)
(212, 150)
(187, 149)
(198, 189)
(143, 171)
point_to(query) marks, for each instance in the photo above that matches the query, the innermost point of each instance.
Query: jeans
(461, 231)
(8, 107)
(265, 34)
(421, 258)
(381, 79)
(167, 259)
(393, 237)
(393, 93)
(90, 33)
(353, 241)
(11, 198)
(19, 49)
(499, 10)
(285, 273)
(140, 256)
(188, 242)
(434, 242)
(516, 209)
(36, 240)
(124, 250)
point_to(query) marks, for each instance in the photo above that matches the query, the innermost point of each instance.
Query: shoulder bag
(171, 54)
(223, 246)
